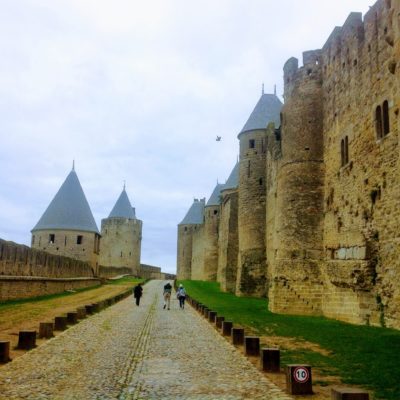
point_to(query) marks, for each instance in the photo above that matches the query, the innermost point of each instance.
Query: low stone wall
(110, 272)
(19, 260)
(22, 287)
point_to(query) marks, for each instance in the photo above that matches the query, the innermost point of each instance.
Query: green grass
(126, 280)
(360, 355)
(4, 304)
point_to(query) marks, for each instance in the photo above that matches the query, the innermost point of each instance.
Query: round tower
(299, 203)
(67, 227)
(121, 239)
(211, 225)
(252, 274)
(192, 220)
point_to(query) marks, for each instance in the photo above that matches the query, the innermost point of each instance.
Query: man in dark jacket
(137, 293)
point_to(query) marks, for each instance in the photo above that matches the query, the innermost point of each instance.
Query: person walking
(137, 293)
(181, 294)
(167, 295)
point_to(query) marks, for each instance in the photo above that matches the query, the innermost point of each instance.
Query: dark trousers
(137, 300)
(182, 301)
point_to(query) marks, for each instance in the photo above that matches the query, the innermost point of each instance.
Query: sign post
(298, 379)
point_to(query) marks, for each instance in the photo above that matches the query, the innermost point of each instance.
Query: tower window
(252, 143)
(385, 110)
(52, 237)
(378, 122)
(382, 123)
(65, 241)
(33, 240)
(215, 212)
(344, 151)
(79, 239)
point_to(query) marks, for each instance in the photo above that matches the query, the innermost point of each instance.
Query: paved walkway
(129, 352)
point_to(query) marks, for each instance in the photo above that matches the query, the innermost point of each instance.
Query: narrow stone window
(79, 239)
(378, 122)
(40, 239)
(386, 126)
(248, 169)
(215, 212)
(185, 228)
(346, 150)
(121, 253)
(65, 241)
(251, 144)
(260, 181)
(52, 238)
(342, 153)
(33, 240)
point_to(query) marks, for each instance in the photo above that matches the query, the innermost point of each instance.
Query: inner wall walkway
(130, 352)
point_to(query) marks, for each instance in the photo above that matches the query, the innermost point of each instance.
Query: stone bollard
(72, 317)
(81, 312)
(219, 321)
(270, 359)
(26, 340)
(298, 379)
(237, 336)
(251, 346)
(46, 330)
(96, 307)
(205, 312)
(60, 323)
(4, 352)
(89, 308)
(345, 393)
(211, 316)
(226, 328)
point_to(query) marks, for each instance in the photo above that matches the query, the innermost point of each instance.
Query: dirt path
(27, 316)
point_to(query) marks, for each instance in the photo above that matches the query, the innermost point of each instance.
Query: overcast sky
(138, 91)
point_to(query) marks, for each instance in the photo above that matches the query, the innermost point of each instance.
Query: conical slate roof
(195, 214)
(266, 110)
(233, 181)
(123, 208)
(69, 210)
(214, 199)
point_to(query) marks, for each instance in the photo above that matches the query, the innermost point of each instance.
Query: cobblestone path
(129, 352)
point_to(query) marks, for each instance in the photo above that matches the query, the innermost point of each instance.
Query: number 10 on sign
(300, 374)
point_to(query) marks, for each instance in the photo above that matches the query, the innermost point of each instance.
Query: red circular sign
(301, 375)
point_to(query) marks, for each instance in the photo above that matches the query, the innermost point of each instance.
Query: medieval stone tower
(211, 223)
(121, 237)
(299, 203)
(190, 224)
(67, 227)
(228, 233)
(252, 273)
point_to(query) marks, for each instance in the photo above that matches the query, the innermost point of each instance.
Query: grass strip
(361, 355)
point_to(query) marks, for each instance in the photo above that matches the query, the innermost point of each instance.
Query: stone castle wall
(121, 240)
(184, 252)
(320, 232)
(211, 224)
(197, 262)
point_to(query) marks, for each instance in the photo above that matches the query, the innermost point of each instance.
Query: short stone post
(211, 316)
(226, 328)
(219, 321)
(270, 359)
(252, 346)
(60, 323)
(345, 393)
(72, 317)
(4, 352)
(89, 308)
(237, 336)
(95, 307)
(46, 330)
(26, 340)
(298, 379)
(205, 312)
(81, 312)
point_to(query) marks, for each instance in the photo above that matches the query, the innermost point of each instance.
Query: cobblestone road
(129, 352)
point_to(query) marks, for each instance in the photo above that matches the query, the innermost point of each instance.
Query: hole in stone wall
(309, 71)
(355, 62)
(392, 67)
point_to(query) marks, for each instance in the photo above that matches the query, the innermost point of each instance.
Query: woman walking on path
(137, 293)
(181, 294)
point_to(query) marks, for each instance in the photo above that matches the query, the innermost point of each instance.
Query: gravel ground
(130, 352)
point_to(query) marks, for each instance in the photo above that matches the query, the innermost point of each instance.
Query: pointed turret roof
(266, 110)
(233, 181)
(123, 207)
(214, 199)
(69, 209)
(195, 214)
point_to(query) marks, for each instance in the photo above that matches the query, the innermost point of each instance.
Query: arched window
(378, 122)
(386, 126)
